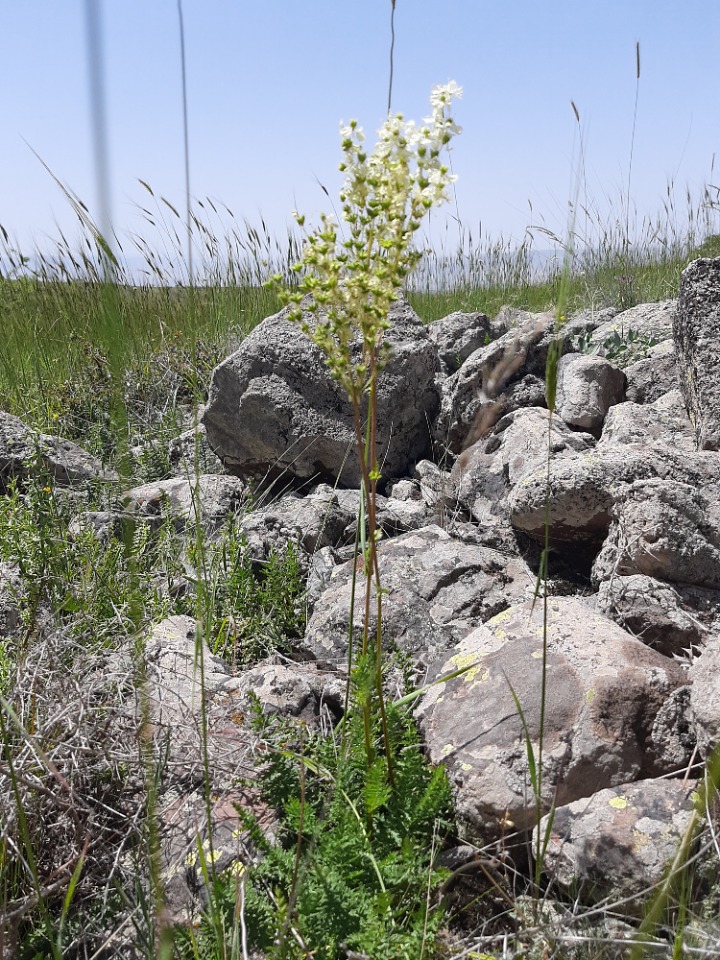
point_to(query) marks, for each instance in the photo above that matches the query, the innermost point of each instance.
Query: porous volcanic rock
(705, 696)
(655, 375)
(274, 411)
(605, 691)
(619, 841)
(586, 389)
(671, 618)
(458, 335)
(696, 331)
(488, 384)
(485, 473)
(664, 529)
(25, 452)
(211, 499)
(436, 590)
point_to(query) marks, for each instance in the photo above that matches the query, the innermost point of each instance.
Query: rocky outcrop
(629, 485)
(696, 331)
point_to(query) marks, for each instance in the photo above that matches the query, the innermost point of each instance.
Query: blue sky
(270, 81)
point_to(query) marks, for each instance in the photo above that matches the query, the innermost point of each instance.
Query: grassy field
(121, 367)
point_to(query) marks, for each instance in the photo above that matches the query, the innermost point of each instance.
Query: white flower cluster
(355, 275)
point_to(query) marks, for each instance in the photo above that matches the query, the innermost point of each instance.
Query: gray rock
(662, 425)
(584, 322)
(274, 410)
(457, 336)
(211, 499)
(487, 471)
(696, 331)
(298, 690)
(191, 745)
(652, 321)
(436, 589)
(667, 618)
(586, 389)
(393, 514)
(619, 841)
(604, 691)
(12, 595)
(649, 379)
(190, 453)
(664, 529)
(475, 397)
(312, 522)
(584, 488)
(25, 453)
(102, 524)
(705, 697)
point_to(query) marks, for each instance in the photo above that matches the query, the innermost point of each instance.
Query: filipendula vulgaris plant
(354, 273)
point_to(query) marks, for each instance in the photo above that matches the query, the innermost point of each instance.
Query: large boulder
(274, 411)
(664, 529)
(436, 589)
(696, 331)
(619, 842)
(606, 719)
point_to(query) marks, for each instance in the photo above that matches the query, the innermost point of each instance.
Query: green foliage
(257, 608)
(353, 869)
(622, 347)
(93, 584)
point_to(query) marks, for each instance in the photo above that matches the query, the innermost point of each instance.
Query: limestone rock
(696, 331)
(604, 691)
(274, 410)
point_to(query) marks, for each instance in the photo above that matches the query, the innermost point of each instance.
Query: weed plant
(353, 871)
